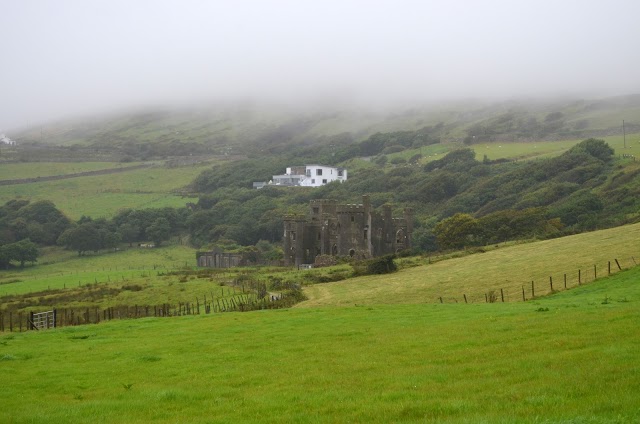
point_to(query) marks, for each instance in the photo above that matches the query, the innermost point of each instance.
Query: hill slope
(508, 268)
(572, 357)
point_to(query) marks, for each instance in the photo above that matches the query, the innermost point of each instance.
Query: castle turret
(408, 217)
(292, 242)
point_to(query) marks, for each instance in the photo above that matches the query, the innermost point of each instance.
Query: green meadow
(520, 150)
(508, 268)
(103, 195)
(14, 171)
(572, 357)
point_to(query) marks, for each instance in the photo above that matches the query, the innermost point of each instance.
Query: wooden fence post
(565, 281)
(551, 283)
(595, 272)
(502, 295)
(533, 290)
(579, 277)
(524, 299)
(440, 299)
(618, 263)
(465, 298)
(609, 268)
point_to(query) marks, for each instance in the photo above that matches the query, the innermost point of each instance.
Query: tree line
(458, 201)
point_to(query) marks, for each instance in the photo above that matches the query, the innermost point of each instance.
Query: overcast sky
(68, 57)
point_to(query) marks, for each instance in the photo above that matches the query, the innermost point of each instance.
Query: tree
(597, 148)
(457, 231)
(83, 238)
(109, 239)
(129, 233)
(24, 251)
(159, 231)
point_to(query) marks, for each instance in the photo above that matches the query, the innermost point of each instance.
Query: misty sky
(68, 57)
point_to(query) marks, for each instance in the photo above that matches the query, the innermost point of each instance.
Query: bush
(381, 265)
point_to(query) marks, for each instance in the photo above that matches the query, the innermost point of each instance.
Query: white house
(308, 176)
(319, 175)
(6, 140)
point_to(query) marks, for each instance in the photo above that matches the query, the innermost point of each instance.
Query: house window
(318, 171)
(313, 181)
(340, 173)
(308, 172)
(324, 181)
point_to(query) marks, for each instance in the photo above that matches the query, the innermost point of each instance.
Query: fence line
(65, 317)
(538, 289)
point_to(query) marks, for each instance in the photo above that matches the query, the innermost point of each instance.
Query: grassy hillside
(572, 357)
(253, 127)
(15, 171)
(103, 195)
(509, 268)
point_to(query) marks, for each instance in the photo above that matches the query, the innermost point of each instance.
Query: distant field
(14, 171)
(570, 358)
(510, 268)
(519, 150)
(59, 268)
(104, 195)
(551, 148)
(133, 276)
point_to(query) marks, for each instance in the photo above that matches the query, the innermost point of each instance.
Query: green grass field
(103, 195)
(14, 171)
(520, 150)
(572, 357)
(508, 268)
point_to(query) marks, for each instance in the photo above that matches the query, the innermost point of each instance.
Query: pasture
(520, 150)
(571, 357)
(508, 268)
(103, 195)
(14, 171)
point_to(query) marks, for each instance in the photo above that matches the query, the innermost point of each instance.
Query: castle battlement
(350, 208)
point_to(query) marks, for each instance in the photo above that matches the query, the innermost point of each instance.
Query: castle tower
(408, 217)
(293, 239)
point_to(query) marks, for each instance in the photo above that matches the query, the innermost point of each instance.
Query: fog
(72, 57)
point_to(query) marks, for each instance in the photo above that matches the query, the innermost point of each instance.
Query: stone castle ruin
(344, 230)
